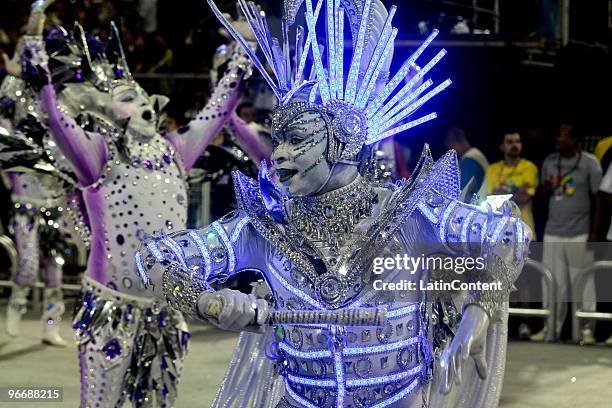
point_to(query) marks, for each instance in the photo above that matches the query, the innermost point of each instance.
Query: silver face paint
(299, 155)
(132, 102)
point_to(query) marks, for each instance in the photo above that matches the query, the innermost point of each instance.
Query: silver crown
(363, 104)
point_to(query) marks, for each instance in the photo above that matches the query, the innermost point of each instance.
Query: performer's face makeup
(133, 103)
(299, 154)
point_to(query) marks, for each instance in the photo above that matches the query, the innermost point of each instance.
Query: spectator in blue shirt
(472, 162)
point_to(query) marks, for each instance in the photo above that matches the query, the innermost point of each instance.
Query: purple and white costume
(133, 184)
(37, 205)
(315, 244)
(36, 196)
(41, 221)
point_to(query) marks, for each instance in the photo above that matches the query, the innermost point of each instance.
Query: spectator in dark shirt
(472, 162)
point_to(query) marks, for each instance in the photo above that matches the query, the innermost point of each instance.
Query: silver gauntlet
(492, 301)
(182, 290)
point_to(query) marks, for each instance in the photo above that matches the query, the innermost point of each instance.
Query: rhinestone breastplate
(329, 220)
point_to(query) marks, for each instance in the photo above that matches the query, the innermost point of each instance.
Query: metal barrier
(9, 246)
(11, 251)
(577, 305)
(547, 313)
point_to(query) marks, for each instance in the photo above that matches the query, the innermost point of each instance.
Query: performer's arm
(185, 267)
(248, 139)
(86, 151)
(501, 240)
(191, 140)
(497, 240)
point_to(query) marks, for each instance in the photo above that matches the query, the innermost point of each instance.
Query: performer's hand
(36, 21)
(41, 5)
(243, 27)
(470, 340)
(233, 310)
(12, 66)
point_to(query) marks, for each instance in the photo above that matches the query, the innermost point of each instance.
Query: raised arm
(248, 139)
(191, 140)
(86, 151)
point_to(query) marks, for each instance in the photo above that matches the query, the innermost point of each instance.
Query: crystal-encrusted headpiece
(78, 56)
(365, 106)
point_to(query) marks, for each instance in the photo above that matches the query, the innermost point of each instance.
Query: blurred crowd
(179, 42)
(565, 199)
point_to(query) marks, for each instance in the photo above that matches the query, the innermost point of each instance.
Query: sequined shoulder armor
(500, 238)
(181, 266)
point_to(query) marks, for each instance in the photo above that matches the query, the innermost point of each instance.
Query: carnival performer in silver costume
(325, 335)
(131, 347)
(38, 204)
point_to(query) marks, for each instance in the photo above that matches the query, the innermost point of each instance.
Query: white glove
(469, 341)
(243, 28)
(36, 21)
(233, 310)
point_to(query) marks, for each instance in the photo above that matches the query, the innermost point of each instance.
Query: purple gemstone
(128, 313)
(167, 158)
(185, 337)
(136, 159)
(148, 164)
(112, 349)
(87, 298)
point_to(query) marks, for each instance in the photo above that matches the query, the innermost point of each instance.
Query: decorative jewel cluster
(348, 125)
(331, 218)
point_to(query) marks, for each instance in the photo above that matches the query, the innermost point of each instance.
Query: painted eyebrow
(125, 88)
(300, 126)
(122, 88)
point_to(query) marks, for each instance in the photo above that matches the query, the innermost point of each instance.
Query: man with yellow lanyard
(514, 175)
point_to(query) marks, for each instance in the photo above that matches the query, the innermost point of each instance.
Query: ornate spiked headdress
(78, 56)
(363, 106)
